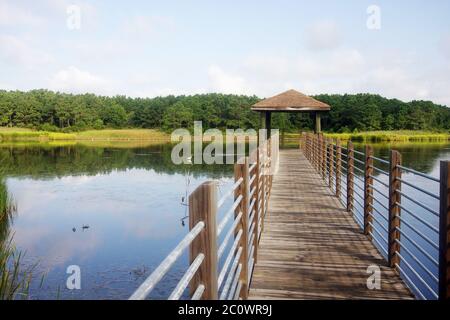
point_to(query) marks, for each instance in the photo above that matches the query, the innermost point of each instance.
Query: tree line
(54, 111)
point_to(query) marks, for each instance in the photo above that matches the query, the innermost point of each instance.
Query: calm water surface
(130, 199)
(419, 237)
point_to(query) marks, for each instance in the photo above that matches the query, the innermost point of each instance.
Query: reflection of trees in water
(42, 161)
(7, 210)
(51, 161)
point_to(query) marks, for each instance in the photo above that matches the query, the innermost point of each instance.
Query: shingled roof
(290, 101)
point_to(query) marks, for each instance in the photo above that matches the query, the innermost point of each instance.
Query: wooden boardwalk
(311, 248)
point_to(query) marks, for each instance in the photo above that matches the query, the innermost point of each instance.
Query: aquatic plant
(391, 136)
(14, 279)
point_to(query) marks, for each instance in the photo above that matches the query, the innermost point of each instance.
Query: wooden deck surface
(311, 248)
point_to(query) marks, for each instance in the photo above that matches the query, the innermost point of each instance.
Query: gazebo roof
(290, 101)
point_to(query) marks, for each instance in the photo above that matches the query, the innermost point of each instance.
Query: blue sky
(150, 48)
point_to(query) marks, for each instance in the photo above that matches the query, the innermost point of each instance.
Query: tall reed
(14, 279)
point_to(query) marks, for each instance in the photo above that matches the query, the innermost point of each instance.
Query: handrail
(429, 225)
(228, 235)
(379, 159)
(363, 199)
(178, 291)
(234, 282)
(417, 275)
(147, 286)
(419, 189)
(229, 258)
(198, 292)
(228, 214)
(229, 193)
(416, 260)
(234, 265)
(251, 191)
(418, 203)
(419, 173)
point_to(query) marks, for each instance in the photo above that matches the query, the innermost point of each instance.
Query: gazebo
(289, 101)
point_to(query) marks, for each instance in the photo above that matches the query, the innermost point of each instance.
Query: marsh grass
(123, 135)
(391, 136)
(20, 134)
(14, 278)
(385, 136)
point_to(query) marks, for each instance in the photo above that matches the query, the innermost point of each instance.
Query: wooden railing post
(444, 232)
(316, 152)
(309, 146)
(203, 207)
(338, 168)
(330, 163)
(368, 191)
(313, 150)
(324, 157)
(350, 178)
(319, 153)
(305, 144)
(256, 208)
(302, 142)
(395, 174)
(242, 171)
(262, 168)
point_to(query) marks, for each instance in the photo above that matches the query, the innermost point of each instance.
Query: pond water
(419, 211)
(117, 210)
(129, 200)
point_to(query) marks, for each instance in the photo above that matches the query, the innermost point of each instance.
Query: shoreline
(155, 135)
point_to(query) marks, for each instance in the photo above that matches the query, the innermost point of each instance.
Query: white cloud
(342, 70)
(15, 50)
(75, 80)
(338, 63)
(12, 15)
(267, 65)
(224, 82)
(323, 35)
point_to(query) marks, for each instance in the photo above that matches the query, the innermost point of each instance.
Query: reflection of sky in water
(413, 229)
(133, 218)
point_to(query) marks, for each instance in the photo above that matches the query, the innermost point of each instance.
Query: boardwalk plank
(311, 248)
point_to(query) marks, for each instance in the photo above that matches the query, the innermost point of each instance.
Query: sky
(399, 49)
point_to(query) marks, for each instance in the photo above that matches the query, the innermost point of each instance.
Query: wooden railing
(243, 222)
(413, 235)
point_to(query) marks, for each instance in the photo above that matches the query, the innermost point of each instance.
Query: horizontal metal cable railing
(408, 222)
(243, 222)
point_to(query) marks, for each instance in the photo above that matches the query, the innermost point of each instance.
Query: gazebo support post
(268, 122)
(262, 123)
(318, 129)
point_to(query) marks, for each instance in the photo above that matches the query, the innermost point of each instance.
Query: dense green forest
(51, 111)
